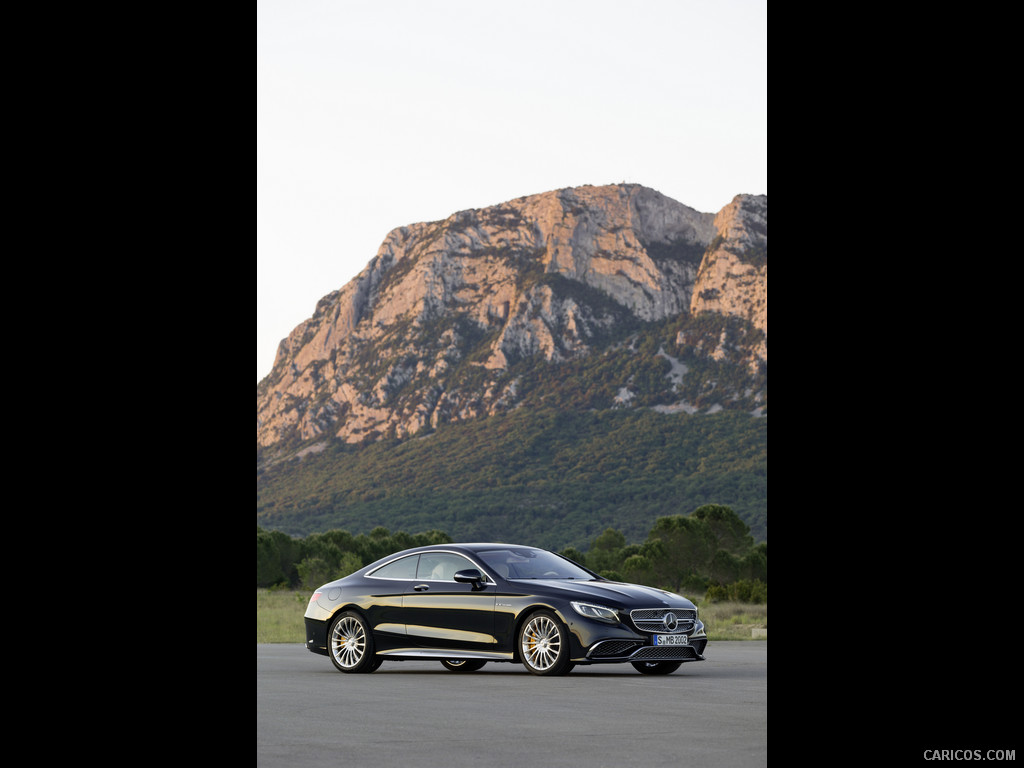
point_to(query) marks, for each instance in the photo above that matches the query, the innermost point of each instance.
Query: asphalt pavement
(417, 714)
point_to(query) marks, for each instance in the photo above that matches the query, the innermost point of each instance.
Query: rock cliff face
(428, 331)
(733, 278)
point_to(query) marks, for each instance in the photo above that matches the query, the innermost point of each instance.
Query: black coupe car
(467, 604)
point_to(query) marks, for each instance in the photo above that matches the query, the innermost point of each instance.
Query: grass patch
(279, 618)
(733, 621)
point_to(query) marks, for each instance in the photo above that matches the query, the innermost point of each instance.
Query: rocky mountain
(450, 320)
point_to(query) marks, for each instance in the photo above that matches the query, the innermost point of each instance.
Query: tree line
(709, 551)
(554, 478)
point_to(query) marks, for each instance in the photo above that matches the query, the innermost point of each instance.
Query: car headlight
(592, 611)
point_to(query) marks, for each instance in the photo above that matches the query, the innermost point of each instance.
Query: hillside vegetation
(554, 479)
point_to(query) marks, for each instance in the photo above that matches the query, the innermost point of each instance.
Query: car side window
(404, 568)
(441, 566)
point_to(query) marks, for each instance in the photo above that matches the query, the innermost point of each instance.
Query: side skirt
(432, 653)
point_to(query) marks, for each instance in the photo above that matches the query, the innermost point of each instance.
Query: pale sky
(375, 114)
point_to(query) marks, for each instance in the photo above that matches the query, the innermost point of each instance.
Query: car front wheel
(656, 667)
(351, 644)
(544, 645)
(463, 665)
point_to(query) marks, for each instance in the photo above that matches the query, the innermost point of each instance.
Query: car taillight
(315, 597)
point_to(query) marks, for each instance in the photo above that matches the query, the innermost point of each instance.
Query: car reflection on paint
(468, 604)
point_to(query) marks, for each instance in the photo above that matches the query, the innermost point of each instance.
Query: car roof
(467, 547)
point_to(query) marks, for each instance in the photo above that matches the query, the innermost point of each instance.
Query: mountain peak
(429, 331)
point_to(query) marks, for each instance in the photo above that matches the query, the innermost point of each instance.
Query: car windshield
(521, 563)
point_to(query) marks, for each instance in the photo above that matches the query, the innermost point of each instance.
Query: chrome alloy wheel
(348, 642)
(463, 665)
(541, 643)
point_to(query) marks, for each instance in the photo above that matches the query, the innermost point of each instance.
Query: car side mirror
(471, 576)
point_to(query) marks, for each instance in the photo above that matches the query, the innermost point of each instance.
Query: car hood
(616, 593)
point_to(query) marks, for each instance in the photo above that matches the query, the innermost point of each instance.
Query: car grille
(662, 652)
(613, 648)
(633, 651)
(653, 619)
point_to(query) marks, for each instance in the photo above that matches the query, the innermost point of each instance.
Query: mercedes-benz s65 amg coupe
(468, 604)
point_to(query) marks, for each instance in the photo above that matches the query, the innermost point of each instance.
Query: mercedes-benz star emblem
(670, 621)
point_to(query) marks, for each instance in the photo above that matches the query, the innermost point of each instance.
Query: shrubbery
(693, 553)
(710, 551)
(739, 592)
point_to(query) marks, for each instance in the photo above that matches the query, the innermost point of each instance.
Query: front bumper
(618, 651)
(598, 642)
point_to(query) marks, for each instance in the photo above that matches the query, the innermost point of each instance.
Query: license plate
(671, 640)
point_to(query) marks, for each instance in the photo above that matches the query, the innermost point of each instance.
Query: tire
(656, 667)
(350, 644)
(463, 665)
(544, 645)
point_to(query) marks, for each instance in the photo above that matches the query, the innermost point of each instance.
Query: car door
(387, 588)
(442, 613)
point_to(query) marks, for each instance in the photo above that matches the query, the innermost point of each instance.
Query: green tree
(350, 563)
(678, 548)
(724, 567)
(638, 569)
(605, 553)
(575, 555)
(276, 554)
(732, 533)
(314, 572)
(755, 564)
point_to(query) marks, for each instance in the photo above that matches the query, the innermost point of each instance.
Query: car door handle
(421, 587)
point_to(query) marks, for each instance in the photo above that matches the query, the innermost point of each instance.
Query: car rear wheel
(544, 645)
(351, 644)
(656, 667)
(463, 665)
